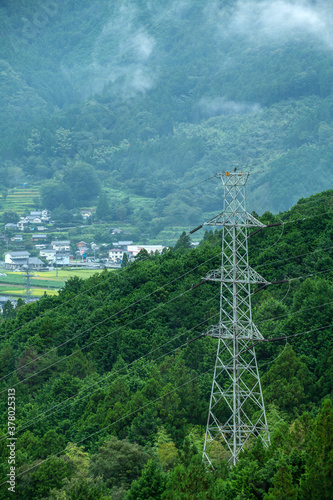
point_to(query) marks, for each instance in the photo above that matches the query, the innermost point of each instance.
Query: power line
(146, 258)
(122, 271)
(123, 326)
(309, 217)
(156, 359)
(295, 256)
(309, 202)
(85, 331)
(194, 185)
(47, 413)
(124, 368)
(273, 244)
(113, 423)
(91, 343)
(295, 312)
(110, 317)
(276, 339)
(265, 226)
(260, 365)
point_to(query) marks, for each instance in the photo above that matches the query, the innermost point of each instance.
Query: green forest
(102, 104)
(128, 108)
(112, 398)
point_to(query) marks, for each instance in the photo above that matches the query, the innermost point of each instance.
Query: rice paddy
(14, 283)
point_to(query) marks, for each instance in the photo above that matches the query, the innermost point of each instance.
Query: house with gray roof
(16, 260)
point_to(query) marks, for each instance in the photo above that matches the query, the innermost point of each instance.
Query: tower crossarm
(244, 274)
(247, 330)
(243, 219)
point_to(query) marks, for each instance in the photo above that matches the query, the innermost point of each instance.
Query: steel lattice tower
(236, 409)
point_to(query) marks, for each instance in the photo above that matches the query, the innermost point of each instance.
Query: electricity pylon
(236, 409)
(28, 275)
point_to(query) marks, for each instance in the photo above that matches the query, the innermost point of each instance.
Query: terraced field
(19, 200)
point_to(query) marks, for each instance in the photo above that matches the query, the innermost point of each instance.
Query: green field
(14, 284)
(19, 200)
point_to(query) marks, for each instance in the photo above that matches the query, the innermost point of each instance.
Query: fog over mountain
(170, 92)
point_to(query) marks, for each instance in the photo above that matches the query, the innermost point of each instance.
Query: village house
(17, 237)
(115, 230)
(22, 224)
(61, 245)
(32, 219)
(35, 217)
(39, 237)
(116, 255)
(55, 257)
(61, 259)
(48, 254)
(13, 260)
(46, 215)
(43, 215)
(86, 214)
(81, 244)
(35, 263)
(124, 243)
(16, 260)
(10, 225)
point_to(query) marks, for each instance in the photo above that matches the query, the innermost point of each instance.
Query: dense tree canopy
(125, 385)
(131, 107)
(152, 109)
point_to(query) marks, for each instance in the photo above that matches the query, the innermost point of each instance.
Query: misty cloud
(143, 44)
(276, 19)
(120, 53)
(220, 106)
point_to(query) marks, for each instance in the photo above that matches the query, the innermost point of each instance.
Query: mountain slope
(108, 359)
(160, 96)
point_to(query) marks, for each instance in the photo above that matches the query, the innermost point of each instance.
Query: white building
(135, 249)
(48, 254)
(10, 225)
(124, 243)
(17, 237)
(45, 215)
(61, 259)
(61, 245)
(54, 257)
(22, 223)
(116, 255)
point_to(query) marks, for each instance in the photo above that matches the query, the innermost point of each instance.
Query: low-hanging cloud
(121, 52)
(221, 106)
(276, 19)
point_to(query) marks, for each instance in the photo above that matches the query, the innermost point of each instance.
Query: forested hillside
(144, 98)
(112, 399)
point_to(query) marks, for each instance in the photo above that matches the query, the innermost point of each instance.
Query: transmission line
(113, 315)
(94, 342)
(156, 359)
(112, 423)
(122, 271)
(47, 413)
